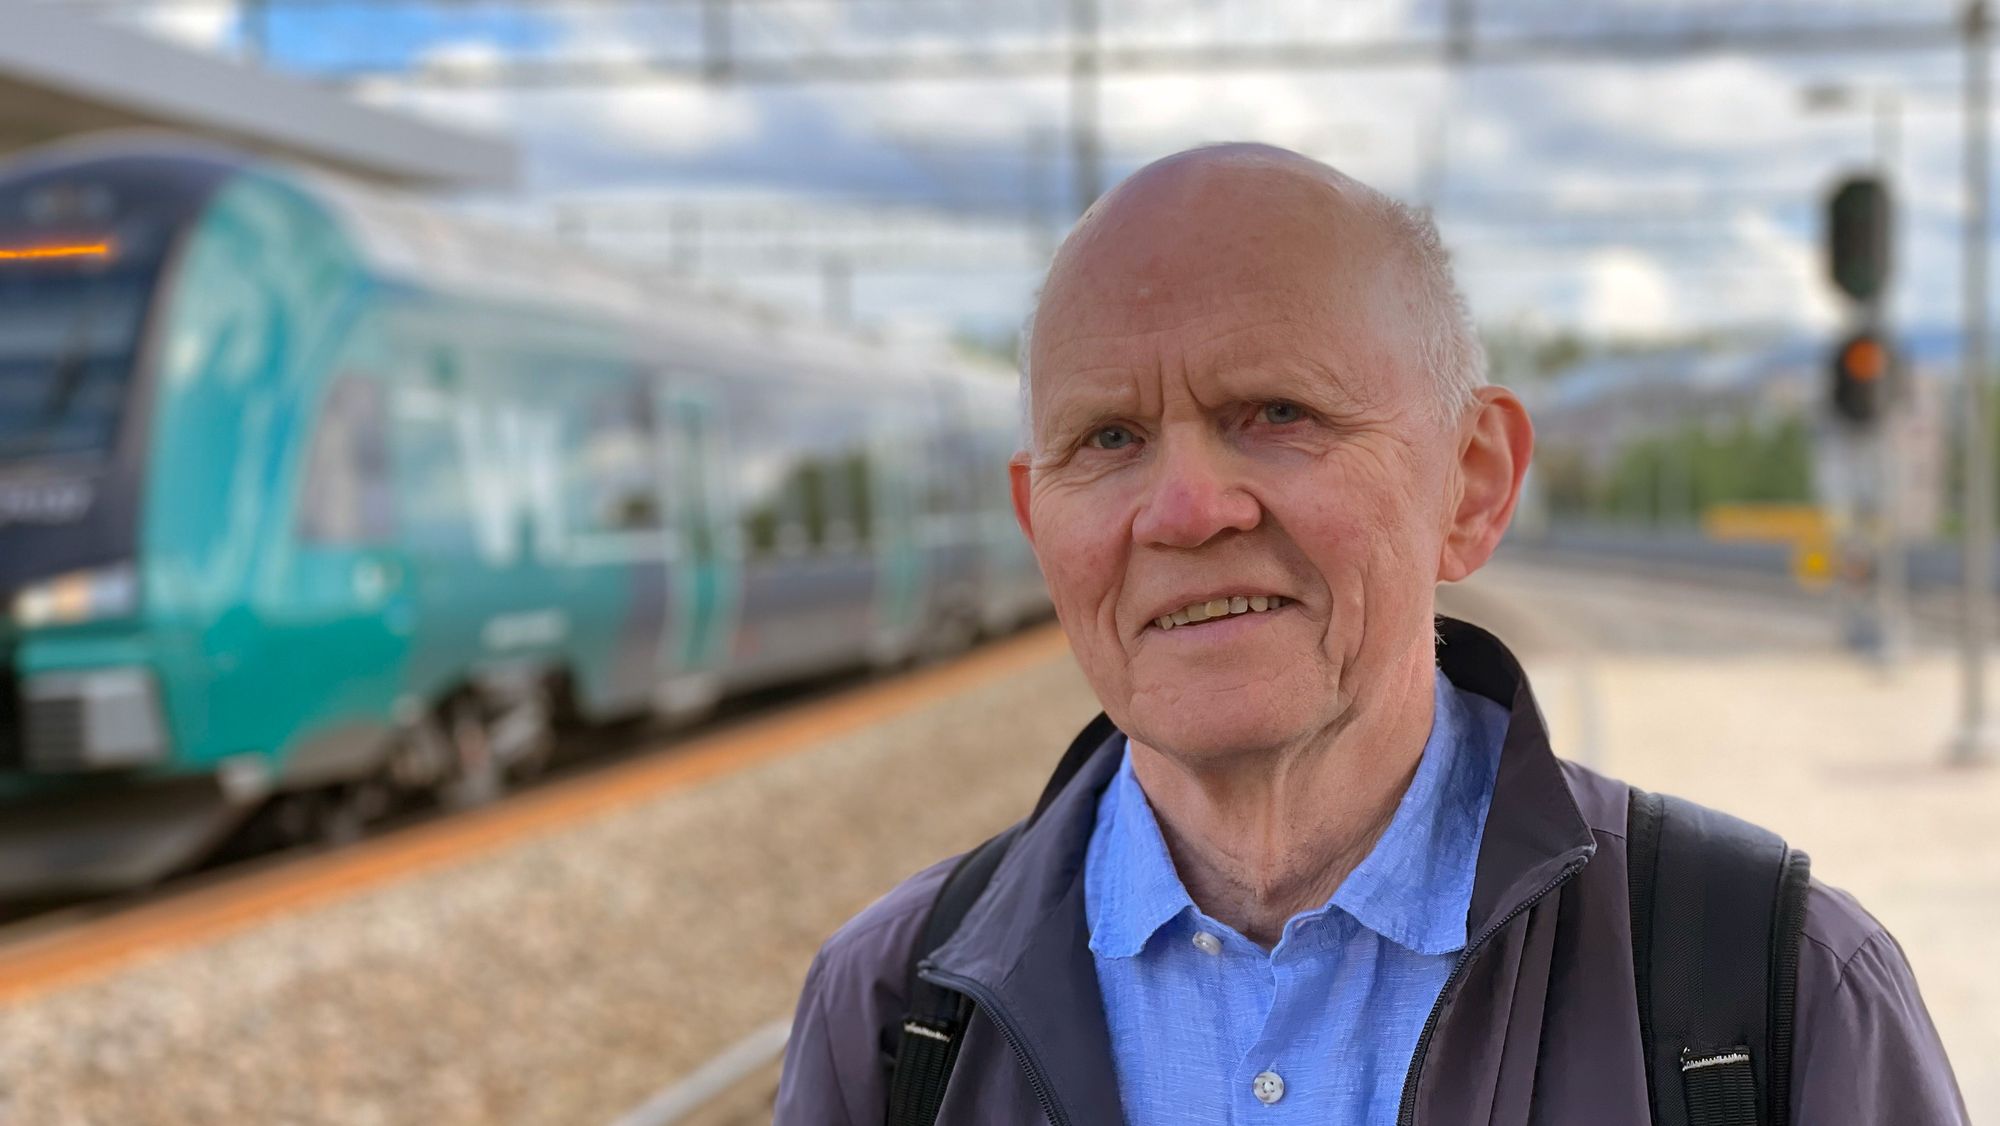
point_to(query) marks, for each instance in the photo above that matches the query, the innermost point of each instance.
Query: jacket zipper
(1407, 1115)
(988, 1004)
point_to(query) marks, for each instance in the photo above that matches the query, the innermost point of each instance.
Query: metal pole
(1460, 23)
(1974, 740)
(1043, 201)
(1888, 131)
(837, 289)
(1891, 564)
(1435, 157)
(715, 40)
(684, 231)
(1086, 152)
(255, 31)
(570, 221)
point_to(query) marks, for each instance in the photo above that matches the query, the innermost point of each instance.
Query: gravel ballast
(562, 979)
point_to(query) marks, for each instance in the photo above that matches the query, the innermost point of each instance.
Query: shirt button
(1268, 1087)
(1207, 943)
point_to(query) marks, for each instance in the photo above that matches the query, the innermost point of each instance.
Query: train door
(896, 471)
(349, 612)
(435, 509)
(615, 563)
(706, 582)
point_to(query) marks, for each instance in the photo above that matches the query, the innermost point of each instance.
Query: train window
(842, 534)
(860, 494)
(760, 530)
(815, 501)
(794, 502)
(835, 478)
(348, 498)
(84, 254)
(613, 474)
(781, 518)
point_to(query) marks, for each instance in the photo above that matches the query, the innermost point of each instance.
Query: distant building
(1597, 410)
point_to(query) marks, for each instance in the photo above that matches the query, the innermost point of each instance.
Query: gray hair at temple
(1449, 346)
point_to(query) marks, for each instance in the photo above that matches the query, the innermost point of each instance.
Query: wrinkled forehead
(1239, 291)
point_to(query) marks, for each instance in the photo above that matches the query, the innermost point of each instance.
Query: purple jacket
(1538, 1026)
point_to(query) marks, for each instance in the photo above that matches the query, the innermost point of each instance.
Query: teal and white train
(311, 499)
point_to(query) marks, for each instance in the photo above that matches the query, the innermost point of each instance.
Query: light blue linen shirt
(1197, 1012)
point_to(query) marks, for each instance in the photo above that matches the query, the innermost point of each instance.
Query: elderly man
(1325, 867)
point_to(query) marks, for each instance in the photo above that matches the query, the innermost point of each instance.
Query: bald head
(1222, 226)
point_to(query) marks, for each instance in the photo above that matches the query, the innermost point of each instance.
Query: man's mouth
(1212, 608)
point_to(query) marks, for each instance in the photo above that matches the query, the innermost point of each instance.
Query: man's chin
(1213, 735)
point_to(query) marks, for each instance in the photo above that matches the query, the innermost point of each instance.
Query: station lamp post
(1975, 739)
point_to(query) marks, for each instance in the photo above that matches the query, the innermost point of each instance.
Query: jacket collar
(1026, 941)
(1534, 829)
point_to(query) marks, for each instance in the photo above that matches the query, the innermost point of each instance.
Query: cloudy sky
(1616, 197)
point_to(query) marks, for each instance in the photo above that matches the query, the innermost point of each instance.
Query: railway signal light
(1857, 237)
(1863, 378)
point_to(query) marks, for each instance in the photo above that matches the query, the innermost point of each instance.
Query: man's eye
(1111, 438)
(1278, 414)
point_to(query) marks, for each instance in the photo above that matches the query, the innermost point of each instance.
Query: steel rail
(720, 1076)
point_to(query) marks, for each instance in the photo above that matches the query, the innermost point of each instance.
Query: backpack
(1718, 909)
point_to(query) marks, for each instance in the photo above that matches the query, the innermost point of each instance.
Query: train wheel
(525, 738)
(954, 633)
(341, 815)
(477, 776)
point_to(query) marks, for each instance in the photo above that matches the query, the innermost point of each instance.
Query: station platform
(565, 976)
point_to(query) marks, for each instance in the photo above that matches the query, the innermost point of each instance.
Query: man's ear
(1017, 482)
(1493, 452)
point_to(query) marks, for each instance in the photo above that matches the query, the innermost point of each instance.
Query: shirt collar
(1131, 888)
(1413, 888)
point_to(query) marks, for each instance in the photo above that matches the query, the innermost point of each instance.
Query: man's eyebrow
(1080, 406)
(1312, 382)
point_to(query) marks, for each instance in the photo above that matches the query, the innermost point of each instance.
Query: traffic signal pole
(1974, 741)
(1867, 393)
(1892, 572)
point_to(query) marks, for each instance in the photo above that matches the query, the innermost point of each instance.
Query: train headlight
(80, 596)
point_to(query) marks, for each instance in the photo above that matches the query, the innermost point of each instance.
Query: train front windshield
(79, 258)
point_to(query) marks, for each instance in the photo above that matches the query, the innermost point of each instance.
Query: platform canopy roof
(63, 74)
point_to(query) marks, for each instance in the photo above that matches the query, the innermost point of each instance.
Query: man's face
(1234, 422)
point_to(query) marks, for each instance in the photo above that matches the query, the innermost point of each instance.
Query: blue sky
(1611, 197)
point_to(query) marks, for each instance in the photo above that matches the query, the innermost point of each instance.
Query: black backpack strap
(927, 1044)
(921, 1052)
(1718, 908)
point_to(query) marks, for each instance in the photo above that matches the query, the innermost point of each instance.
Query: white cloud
(659, 120)
(470, 57)
(1375, 126)
(1626, 293)
(959, 111)
(209, 27)
(1718, 105)
(665, 119)
(1795, 289)
(1588, 137)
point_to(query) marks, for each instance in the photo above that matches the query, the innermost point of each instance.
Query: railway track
(76, 942)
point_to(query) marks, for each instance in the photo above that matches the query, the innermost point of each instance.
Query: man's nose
(1193, 498)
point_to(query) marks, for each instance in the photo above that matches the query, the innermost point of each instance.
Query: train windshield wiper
(66, 376)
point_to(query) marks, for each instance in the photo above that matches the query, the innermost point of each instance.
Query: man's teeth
(1219, 608)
